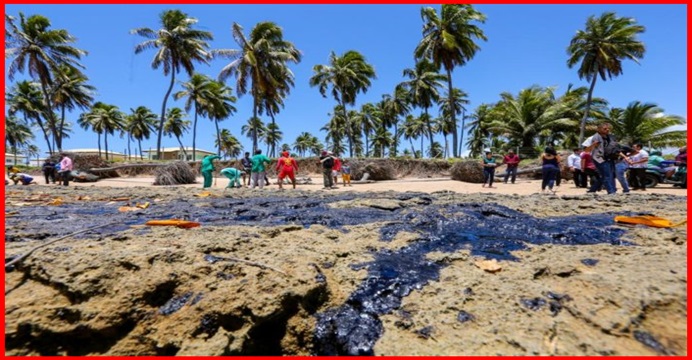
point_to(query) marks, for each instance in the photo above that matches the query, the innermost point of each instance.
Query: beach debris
(56, 202)
(589, 262)
(648, 220)
(491, 266)
(83, 198)
(650, 341)
(143, 205)
(176, 173)
(120, 199)
(183, 224)
(204, 194)
(464, 316)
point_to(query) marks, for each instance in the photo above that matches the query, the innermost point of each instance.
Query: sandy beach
(403, 267)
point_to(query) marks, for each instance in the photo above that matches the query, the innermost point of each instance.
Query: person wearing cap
(287, 166)
(512, 161)
(489, 165)
(208, 169)
(259, 172)
(327, 161)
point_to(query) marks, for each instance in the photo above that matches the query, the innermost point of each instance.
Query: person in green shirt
(655, 159)
(208, 169)
(258, 169)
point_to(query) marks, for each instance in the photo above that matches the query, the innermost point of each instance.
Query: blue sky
(526, 46)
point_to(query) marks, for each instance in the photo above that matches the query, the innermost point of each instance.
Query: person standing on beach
(208, 169)
(336, 170)
(327, 162)
(489, 165)
(287, 167)
(48, 169)
(512, 161)
(259, 172)
(65, 169)
(246, 164)
(574, 164)
(600, 142)
(233, 176)
(551, 164)
(638, 160)
(346, 173)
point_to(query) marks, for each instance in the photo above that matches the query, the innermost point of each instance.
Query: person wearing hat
(287, 166)
(259, 172)
(233, 176)
(208, 169)
(489, 165)
(327, 161)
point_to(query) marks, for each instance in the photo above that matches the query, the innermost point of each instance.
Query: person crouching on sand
(287, 166)
(233, 176)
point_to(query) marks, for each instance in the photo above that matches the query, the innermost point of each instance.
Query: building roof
(91, 151)
(174, 149)
(9, 155)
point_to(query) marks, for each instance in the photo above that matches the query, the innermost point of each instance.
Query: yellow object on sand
(648, 220)
(173, 222)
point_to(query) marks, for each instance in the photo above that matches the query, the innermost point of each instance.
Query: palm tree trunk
(413, 150)
(45, 133)
(461, 131)
(273, 138)
(163, 113)
(62, 124)
(452, 113)
(446, 147)
(396, 138)
(254, 125)
(218, 137)
(99, 143)
(140, 148)
(181, 145)
(429, 126)
(49, 110)
(194, 137)
(586, 111)
(105, 142)
(129, 150)
(349, 135)
(422, 151)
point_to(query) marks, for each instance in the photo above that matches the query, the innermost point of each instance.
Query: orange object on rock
(173, 222)
(648, 220)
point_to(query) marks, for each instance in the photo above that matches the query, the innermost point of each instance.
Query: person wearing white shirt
(638, 162)
(574, 164)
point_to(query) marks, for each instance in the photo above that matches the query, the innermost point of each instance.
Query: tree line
(425, 103)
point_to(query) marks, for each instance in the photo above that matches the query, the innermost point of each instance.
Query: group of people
(488, 162)
(53, 172)
(253, 170)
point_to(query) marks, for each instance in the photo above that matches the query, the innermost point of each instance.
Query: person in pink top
(65, 168)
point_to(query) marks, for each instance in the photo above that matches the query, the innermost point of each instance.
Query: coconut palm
(43, 51)
(368, 118)
(25, 97)
(64, 131)
(335, 129)
(176, 125)
(479, 129)
(274, 136)
(70, 91)
(229, 144)
(198, 93)
(393, 106)
(435, 150)
(448, 41)
(646, 123)
(414, 127)
(422, 88)
(220, 106)
(381, 140)
(262, 62)
(451, 103)
(17, 135)
(105, 119)
(254, 129)
(178, 46)
(140, 123)
(600, 48)
(524, 117)
(347, 76)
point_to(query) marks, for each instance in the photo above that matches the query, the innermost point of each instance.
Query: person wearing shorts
(346, 173)
(286, 167)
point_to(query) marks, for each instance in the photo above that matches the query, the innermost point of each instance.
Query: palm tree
(70, 91)
(414, 127)
(524, 117)
(261, 60)
(221, 106)
(346, 76)
(600, 49)
(179, 46)
(646, 123)
(274, 136)
(17, 135)
(140, 124)
(254, 129)
(393, 106)
(422, 88)
(25, 97)
(229, 144)
(106, 118)
(435, 150)
(176, 125)
(368, 118)
(381, 139)
(43, 51)
(198, 91)
(478, 129)
(452, 103)
(448, 41)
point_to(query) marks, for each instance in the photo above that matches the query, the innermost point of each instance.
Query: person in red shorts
(286, 166)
